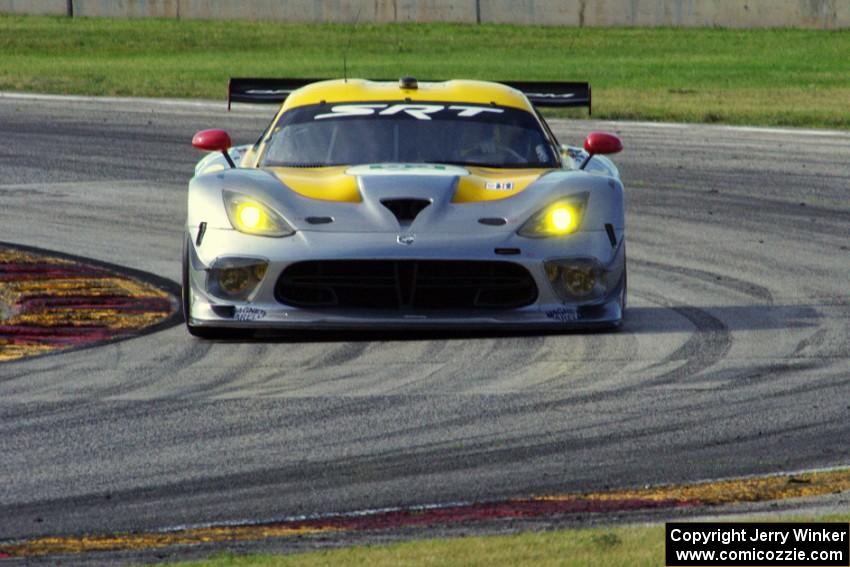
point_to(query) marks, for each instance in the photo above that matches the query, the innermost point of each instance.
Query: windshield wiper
(491, 165)
(302, 164)
(462, 163)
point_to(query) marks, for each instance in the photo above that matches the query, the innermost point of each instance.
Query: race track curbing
(52, 302)
(700, 495)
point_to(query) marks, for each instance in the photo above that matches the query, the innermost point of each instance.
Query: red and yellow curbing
(50, 303)
(756, 489)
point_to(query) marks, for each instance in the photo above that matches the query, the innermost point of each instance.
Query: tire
(209, 333)
(623, 294)
(625, 278)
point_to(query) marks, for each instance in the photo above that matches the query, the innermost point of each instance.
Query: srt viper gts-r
(404, 204)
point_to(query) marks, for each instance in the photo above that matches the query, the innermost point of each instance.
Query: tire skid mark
(754, 374)
(388, 465)
(706, 347)
(741, 286)
(723, 198)
(705, 494)
(340, 355)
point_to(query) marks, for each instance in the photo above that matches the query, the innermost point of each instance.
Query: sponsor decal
(550, 95)
(499, 186)
(248, 314)
(564, 314)
(265, 92)
(406, 239)
(417, 111)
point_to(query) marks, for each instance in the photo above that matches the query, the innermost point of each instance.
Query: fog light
(577, 279)
(236, 278)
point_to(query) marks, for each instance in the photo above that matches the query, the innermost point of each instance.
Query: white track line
(214, 105)
(729, 128)
(460, 503)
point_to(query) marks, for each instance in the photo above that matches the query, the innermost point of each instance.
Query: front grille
(399, 285)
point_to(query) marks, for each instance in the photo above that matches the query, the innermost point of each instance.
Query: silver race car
(404, 204)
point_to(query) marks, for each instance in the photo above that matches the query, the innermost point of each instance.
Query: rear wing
(553, 94)
(546, 94)
(263, 91)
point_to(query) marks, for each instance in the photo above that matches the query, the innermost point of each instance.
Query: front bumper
(263, 310)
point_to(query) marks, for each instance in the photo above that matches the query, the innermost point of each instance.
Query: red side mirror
(602, 143)
(212, 140)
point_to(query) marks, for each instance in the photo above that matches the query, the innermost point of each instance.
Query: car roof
(361, 90)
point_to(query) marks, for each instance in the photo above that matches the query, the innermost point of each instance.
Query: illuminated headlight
(561, 218)
(251, 216)
(581, 279)
(236, 278)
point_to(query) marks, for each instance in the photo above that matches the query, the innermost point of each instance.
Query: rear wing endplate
(543, 94)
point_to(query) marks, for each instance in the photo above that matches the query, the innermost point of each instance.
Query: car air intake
(401, 285)
(405, 210)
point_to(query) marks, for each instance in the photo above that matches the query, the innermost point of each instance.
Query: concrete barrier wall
(340, 11)
(34, 7)
(825, 14)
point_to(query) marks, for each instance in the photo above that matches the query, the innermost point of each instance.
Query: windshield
(393, 132)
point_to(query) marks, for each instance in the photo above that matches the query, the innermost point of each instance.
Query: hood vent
(405, 210)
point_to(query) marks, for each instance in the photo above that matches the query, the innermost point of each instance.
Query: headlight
(250, 216)
(558, 219)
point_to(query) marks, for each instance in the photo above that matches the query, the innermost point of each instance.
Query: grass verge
(626, 546)
(768, 77)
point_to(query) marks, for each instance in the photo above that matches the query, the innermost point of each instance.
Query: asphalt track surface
(734, 358)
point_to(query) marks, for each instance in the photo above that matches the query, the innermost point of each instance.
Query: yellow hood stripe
(485, 184)
(334, 184)
(323, 183)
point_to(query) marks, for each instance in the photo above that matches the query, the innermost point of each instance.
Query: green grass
(768, 77)
(626, 546)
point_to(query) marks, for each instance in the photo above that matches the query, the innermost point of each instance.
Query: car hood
(351, 184)
(458, 200)
(365, 190)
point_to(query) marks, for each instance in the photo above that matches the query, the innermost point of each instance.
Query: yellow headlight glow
(561, 220)
(250, 215)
